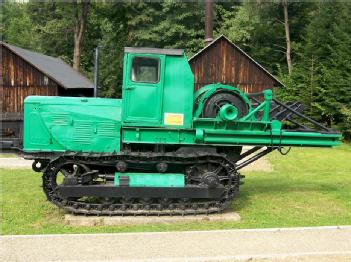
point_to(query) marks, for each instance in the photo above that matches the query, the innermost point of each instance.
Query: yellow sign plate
(172, 119)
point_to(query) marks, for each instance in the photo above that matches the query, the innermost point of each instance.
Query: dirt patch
(15, 163)
(261, 164)
(305, 258)
(76, 220)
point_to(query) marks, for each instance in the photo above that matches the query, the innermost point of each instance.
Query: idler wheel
(38, 166)
(210, 179)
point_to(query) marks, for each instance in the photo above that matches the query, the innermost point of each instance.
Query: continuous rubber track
(134, 207)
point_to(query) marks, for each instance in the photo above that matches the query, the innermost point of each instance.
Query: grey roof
(147, 50)
(240, 50)
(54, 68)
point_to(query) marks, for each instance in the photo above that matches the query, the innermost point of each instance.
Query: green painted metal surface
(227, 136)
(265, 106)
(228, 112)
(166, 103)
(71, 123)
(152, 179)
(143, 100)
(206, 91)
(157, 108)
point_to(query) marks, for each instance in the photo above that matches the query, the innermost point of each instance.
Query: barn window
(46, 80)
(145, 70)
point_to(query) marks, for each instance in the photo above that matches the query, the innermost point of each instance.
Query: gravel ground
(76, 220)
(293, 244)
(260, 165)
(20, 163)
(15, 163)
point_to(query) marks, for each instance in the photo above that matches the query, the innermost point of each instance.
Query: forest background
(306, 44)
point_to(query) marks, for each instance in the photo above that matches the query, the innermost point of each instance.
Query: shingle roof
(54, 68)
(240, 50)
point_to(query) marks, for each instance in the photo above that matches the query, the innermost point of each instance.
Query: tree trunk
(81, 8)
(287, 35)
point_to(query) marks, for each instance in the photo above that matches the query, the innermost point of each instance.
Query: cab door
(143, 90)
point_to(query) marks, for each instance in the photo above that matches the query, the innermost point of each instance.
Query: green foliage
(239, 24)
(168, 24)
(111, 59)
(258, 28)
(320, 37)
(111, 25)
(249, 25)
(322, 70)
(17, 27)
(54, 27)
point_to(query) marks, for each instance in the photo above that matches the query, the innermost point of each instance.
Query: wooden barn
(223, 62)
(24, 73)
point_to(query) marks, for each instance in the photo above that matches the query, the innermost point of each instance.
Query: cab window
(145, 70)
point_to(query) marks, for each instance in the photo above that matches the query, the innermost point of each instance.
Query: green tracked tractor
(162, 149)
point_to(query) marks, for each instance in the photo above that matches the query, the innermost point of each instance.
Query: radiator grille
(60, 119)
(83, 132)
(107, 129)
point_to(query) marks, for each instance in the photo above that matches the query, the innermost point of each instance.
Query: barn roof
(54, 68)
(240, 50)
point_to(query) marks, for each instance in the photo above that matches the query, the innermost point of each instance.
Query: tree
(81, 8)
(111, 26)
(54, 27)
(169, 24)
(61, 27)
(256, 27)
(287, 34)
(259, 28)
(238, 23)
(313, 38)
(16, 26)
(322, 71)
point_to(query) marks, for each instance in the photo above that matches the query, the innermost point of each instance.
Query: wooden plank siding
(13, 97)
(20, 79)
(223, 62)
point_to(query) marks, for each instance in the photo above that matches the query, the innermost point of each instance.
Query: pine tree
(323, 69)
(169, 24)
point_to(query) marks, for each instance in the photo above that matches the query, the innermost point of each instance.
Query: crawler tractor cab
(162, 149)
(157, 88)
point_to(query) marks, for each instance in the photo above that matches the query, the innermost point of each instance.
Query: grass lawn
(308, 187)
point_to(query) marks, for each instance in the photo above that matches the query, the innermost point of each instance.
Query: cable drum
(211, 109)
(214, 103)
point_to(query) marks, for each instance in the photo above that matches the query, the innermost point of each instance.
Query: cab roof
(160, 51)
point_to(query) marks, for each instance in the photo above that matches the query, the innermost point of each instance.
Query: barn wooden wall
(223, 63)
(19, 79)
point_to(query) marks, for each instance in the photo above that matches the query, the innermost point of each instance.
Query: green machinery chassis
(209, 192)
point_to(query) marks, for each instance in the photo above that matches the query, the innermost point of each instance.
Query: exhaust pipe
(96, 70)
(208, 22)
